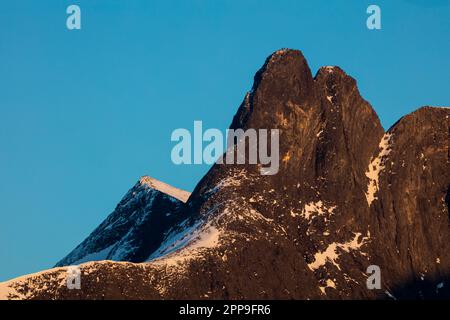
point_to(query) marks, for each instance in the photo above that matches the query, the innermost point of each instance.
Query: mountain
(135, 228)
(347, 196)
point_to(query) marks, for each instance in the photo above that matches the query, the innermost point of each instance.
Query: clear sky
(85, 113)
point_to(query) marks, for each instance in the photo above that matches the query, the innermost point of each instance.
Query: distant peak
(330, 70)
(165, 188)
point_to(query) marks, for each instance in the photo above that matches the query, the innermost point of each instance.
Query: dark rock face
(411, 212)
(347, 195)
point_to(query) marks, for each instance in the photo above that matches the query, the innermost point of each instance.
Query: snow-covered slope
(136, 226)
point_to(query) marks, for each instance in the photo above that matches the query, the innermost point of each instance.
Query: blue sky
(84, 114)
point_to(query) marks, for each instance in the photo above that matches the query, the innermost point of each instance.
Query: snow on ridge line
(59, 273)
(6, 289)
(176, 193)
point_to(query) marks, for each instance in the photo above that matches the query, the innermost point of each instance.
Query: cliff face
(347, 195)
(410, 210)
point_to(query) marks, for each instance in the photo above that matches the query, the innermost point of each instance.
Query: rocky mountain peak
(348, 195)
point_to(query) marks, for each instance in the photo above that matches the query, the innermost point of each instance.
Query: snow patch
(390, 295)
(329, 284)
(314, 209)
(319, 133)
(185, 244)
(234, 180)
(95, 256)
(376, 166)
(331, 253)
